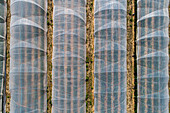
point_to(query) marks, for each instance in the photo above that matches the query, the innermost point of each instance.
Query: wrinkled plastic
(69, 56)
(110, 56)
(28, 64)
(3, 12)
(152, 56)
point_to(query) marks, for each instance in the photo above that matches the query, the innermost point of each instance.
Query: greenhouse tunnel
(3, 12)
(28, 62)
(153, 56)
(69, 56)
(110, 56)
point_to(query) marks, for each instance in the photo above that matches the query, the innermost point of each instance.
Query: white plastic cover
(152, 56)
(28, 64)
(3, 12)
(110, 56)
(69, 56)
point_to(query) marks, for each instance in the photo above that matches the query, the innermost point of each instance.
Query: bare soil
(90, 56)
(8, 58)
(131, 56)
(49, 54)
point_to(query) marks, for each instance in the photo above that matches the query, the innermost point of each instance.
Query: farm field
(131, 56)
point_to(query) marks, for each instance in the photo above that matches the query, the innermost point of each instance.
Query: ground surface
(90, 56)
(49, 54)
(131, 56)
(8, 58)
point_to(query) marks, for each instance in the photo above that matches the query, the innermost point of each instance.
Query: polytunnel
(110, 56)
(69, 56)
(28, 64)
(3, 11)
(152, 56)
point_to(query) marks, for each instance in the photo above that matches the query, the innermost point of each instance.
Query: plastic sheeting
(28, 64)
(110, 56)
(69, 56)
(152, 62)
(3, 11)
